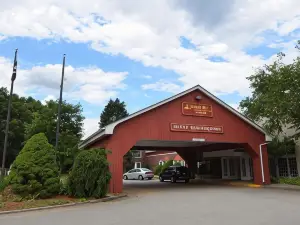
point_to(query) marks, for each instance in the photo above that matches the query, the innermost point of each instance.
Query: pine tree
(113, 111)
(35, 172)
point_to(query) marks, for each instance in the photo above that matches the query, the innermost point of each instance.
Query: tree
(35, 172)
(71, 129)
(275, 99)
(90, 174)
(113, 111)
(21, 114)
(128, 161)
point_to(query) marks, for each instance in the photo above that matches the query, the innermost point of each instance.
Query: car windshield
(145, 169)
(182, 169)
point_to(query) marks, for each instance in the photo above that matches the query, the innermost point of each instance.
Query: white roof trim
(109, 129)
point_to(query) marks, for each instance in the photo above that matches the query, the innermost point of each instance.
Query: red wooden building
(192, 123)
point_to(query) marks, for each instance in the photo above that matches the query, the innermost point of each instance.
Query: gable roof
(109, 129)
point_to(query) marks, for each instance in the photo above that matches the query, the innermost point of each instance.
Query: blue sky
(144, 51)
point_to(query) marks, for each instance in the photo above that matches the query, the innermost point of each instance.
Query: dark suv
(175, 173)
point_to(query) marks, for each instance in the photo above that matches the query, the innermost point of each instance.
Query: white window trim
(138, 157)
(135, 165)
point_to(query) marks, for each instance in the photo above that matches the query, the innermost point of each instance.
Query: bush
(290, 180)
(90, 174)
(35, 172)
(64, 184)
(274, 180)
(166, 165)
(3, 183)
(177, 163)
(157, 169)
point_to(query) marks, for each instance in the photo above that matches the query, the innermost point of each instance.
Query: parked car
(138, 173)
(175, 173)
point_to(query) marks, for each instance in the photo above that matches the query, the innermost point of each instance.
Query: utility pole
(13, 77)
(59, 104)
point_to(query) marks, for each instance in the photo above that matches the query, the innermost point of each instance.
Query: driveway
(151, 202)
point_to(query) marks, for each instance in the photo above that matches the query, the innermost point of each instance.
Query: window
(282, 167)
(136, 154)
(137, 170)
(138, 165)
(251, 167)
(231, 167)
(244, 167)
(293, 167)
(225, 171)
(171, 169)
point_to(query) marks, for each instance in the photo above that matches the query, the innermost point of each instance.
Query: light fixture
(198, 97)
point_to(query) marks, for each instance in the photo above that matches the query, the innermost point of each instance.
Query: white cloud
(150, 31)
(162, 86)
(90, 84)
(90, 126)
(235, 106)
(48, 98)
(288, 26)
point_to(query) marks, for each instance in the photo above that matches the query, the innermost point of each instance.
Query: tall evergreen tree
(113, 111)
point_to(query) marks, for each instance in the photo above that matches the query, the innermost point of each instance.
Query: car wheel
(149, 178)
(141, 177)
(125, 177)
(161, 179)
(173, 180)
(187, 180)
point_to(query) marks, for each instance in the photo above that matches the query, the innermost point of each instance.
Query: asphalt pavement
(152, 202)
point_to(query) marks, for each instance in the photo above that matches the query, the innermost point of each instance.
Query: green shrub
(3, 183)
(64, 184)
(90, 174)
(166, 165)
(274, 180)
(35, 172)
(157, 169)
(290, 180)
(177, 164)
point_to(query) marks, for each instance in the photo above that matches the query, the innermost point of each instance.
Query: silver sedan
(138, 174)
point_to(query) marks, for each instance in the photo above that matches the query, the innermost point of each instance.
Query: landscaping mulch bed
(9, 201)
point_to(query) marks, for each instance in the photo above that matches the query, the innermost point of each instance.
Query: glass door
(246, 168)
(229, 168)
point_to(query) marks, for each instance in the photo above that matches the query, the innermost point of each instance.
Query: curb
(297, 188)
(244, 185)
(286, 188)
(107, 199)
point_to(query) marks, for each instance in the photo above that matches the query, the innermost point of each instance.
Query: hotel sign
(194, 109)
(196, 128)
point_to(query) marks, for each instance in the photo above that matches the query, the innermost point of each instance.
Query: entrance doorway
(230, 168)
(246, 168)
(236, 168)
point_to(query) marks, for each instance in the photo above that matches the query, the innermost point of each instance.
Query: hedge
(290, 180)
